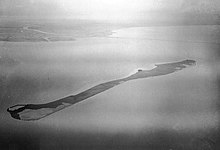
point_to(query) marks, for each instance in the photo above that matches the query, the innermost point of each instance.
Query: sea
(175, 111)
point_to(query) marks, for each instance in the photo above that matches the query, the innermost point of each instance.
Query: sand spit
(28, 112)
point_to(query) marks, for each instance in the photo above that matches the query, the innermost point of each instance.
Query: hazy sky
(102, 9)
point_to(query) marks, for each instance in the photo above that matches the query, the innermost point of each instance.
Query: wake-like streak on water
(27, 112)
(39, 31)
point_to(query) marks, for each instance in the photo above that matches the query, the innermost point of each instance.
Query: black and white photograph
(109, 74)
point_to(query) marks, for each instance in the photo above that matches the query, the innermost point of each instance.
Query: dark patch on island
(29, 112)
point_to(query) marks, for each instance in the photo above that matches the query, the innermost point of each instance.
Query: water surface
(182, 108)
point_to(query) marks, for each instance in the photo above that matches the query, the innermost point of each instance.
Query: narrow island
(29, 112)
